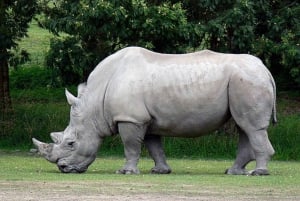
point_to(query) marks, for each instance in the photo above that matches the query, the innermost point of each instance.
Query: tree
(96, 29)
(278, 41)
(14, 19)
(267, 29)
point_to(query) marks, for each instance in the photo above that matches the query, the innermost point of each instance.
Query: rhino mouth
(71, 168)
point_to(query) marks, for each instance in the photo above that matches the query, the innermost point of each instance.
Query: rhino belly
(191, 119)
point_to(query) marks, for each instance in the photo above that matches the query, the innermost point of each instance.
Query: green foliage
(267, 29)
(67, 59)
(29, 78)
(285, 136)
(37, 43)
(40, 95)
(228, 25)
(279, 40)
(18, 57)
(14, 18)
(96, 29)
(33, 120)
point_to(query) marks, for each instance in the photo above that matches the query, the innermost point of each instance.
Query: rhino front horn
(37, 143)
(43, 148)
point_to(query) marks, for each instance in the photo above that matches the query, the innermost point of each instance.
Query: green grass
(285, 137)
(27, 166)
(37, 44)
(189, 178)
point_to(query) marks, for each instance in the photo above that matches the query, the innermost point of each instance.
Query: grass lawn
(29, 177)
(37, 44)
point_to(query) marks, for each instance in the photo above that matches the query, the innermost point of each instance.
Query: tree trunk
(5, 100)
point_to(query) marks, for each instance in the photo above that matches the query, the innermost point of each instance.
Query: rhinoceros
(142, 95)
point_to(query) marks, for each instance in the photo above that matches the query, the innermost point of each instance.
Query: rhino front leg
(132, 136)
(245, 154)
(155, 148)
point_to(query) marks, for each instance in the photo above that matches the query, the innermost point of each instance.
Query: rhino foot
(259, 172)
(236, 171)
(161, 170)
(128, 171)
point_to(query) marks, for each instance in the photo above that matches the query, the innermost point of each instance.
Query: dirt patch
(90, 191)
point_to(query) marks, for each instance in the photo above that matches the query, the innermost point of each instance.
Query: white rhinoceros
(142, 95)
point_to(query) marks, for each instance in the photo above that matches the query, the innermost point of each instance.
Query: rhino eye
(70, 144)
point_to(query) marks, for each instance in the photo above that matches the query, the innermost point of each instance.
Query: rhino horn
(70, 97)
(37, 143)
(56, 137)
(81, 89)
(45, 149)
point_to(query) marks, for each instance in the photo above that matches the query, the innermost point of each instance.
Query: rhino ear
(56, 137)
(70, 98)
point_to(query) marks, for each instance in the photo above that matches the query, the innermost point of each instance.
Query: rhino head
(75, 148)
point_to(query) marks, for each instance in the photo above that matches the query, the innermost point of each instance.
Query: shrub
(32, 77)
(97, 29)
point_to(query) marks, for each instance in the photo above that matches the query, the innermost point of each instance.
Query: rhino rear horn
(70, 97)
(81, 89)
(56, 137)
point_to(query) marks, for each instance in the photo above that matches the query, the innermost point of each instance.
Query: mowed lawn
(29, 177)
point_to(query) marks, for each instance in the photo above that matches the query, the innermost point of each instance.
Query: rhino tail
(274, 120)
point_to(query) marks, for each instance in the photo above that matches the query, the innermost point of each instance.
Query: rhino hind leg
(257, 136)
(154, 145)
(132, 136)
(251, 103)
(263, 151)
(255, 128)
(253, 145)
(245, 155)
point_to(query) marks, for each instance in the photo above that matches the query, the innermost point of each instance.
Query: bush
(96, 29)
(267, 29)
(68, 60)
(33, 120)
(32, 77)
(285, 137)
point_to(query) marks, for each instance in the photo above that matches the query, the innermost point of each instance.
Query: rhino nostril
(62, 167)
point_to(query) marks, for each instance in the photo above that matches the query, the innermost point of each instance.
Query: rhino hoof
(123, 171)
(259, 172)
(160, 171)
(234, 171)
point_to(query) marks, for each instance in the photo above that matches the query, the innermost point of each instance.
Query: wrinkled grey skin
(144, 95)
